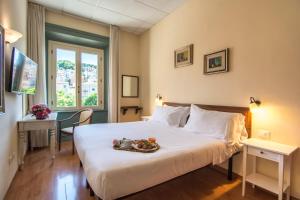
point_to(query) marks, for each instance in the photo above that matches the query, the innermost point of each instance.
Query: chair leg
(73, 148)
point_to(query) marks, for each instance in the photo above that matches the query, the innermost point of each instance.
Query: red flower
(48, 110)
(41, 111)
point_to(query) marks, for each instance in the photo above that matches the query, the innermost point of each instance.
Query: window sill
(76, 110)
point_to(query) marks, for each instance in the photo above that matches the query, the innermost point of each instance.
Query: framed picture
(184, 56)
(2, 87)
(216, 62)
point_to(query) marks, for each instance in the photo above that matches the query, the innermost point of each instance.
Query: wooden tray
(134, 148)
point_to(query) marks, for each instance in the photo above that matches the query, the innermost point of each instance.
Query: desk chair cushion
(68, 130)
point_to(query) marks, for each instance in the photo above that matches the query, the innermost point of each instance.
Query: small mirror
(130, 86)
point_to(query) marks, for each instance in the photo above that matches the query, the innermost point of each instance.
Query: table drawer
(263, 153)
(34, 126)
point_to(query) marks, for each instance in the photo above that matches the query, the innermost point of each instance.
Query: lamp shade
(254, 104)
(12, 36)
(158, 100)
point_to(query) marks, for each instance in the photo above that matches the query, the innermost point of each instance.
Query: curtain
(36, 51)
(113, 99)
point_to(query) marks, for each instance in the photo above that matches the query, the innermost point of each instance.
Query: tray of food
(143, 145)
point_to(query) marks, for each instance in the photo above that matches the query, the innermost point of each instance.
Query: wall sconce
(158, 100)
(11, 36)
(254, 104)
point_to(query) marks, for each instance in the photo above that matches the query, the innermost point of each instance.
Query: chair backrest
(86, 116)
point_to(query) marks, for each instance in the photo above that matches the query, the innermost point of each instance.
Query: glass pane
(65, 78)
(89, 79)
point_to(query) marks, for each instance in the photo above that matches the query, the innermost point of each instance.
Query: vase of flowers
(40, 111)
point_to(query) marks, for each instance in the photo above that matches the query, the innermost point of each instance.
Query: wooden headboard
(243, 110)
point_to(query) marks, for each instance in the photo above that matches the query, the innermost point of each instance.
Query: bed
(112, 174)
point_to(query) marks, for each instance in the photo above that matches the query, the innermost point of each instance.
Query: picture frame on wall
(217, 62)
(2, 76)
(184, 56)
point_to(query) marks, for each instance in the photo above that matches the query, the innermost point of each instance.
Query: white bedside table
(280, 153)
(145, 118)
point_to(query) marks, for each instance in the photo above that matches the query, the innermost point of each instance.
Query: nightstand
(279, 153)
(145, 118)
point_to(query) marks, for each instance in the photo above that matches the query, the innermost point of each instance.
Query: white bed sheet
(113, 174)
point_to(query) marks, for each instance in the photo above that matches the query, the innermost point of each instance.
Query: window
(76, 76)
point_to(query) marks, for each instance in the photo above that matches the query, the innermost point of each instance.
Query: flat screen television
(23, 73)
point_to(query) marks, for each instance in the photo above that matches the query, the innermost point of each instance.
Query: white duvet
(113, 174)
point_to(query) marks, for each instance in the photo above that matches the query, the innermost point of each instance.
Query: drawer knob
(261, 152)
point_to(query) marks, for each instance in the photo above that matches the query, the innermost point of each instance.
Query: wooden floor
(64, 179)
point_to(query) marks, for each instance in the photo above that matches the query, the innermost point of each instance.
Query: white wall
(264, 42)
(76, 23)
(13, 14)
(129, 65)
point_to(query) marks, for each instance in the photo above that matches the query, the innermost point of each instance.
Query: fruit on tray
(144, 144)
(152, 140)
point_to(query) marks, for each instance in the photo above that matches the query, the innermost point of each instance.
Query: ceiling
(131, 15)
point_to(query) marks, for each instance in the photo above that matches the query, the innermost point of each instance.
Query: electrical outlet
(264, 134)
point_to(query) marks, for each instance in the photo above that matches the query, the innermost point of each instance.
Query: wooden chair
(85, 117)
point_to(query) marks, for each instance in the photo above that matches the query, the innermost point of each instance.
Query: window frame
(53, 45)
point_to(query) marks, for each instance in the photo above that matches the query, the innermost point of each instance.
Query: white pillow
(184, 115)
(167, 115)
(220, 125)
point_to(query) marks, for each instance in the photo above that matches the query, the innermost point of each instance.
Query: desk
(29, 123)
